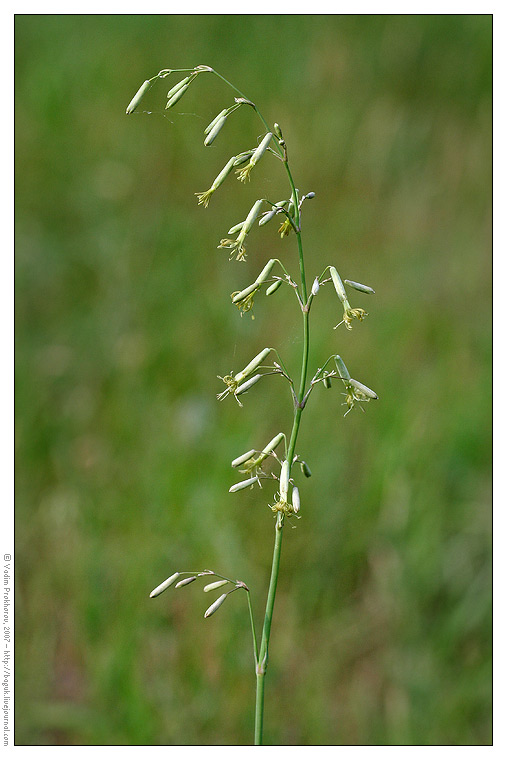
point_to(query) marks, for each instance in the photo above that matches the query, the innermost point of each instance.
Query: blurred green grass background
(382, 627)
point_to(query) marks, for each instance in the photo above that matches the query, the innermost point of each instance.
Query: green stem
(263, 652)
(262, 658)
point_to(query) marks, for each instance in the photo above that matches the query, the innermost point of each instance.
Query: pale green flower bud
(273, 287)
(268, 215)
(177, 87)
(177, 96)
(186, 581)
(338, 285)
(306, 470)
(138, 97)
(236, 228)
(242, 158)
(213, 586)
(256, 361)
(252, 216)
(214, 132)
(261, 149)
(244, 293)
(326, 382)
(360, 287)
(274, 442)
(342, 369)
(215, 120)
(244, 387)
(214, 607)
(265, 272)
(360, 388)
(243, 458)
(164, 585)
(242, 484)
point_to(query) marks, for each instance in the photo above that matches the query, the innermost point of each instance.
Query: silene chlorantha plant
(277, 461)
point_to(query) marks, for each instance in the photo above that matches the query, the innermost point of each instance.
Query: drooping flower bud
(213, 586)
(215, 120)
(273, 287)
(342, 369)
(214, 132)
(138, 97)
(338, 285)
(177, 96)
(243, 458)
(186, 581)
(284, 480)
(359, 286)
(256, 361)
(244, 387)
(359, 388)
(164, 585)
(296, 503)
(177, 87)
(214, 607)
(242, 485)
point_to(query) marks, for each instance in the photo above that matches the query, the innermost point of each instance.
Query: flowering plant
(273, 462)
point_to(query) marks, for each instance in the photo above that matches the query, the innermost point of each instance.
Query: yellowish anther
(350, 314)
(246, 303)
(237, 249)
(283, 506)
(204, 198)
(285, 228)
(244, 174)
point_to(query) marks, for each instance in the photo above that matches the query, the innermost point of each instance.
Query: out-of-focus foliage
(382, 628)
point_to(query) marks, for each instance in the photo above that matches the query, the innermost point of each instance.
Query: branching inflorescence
(266, 464)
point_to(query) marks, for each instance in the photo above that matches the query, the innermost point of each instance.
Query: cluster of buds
(250, 462)
(354, 390)
(244, 173)
(244, 299)
(282, 504)
(348, 313)
(242, 382)
(191, 577)
(237, 246)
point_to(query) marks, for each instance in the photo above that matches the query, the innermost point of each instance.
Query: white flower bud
(214, 607)
(296, 503)
(243, 458)
(243, 484)
(164, 585)
(186, 581)
(244, 387)
(284, 480)
(315, 286)
(213, 586)
(360, 287)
